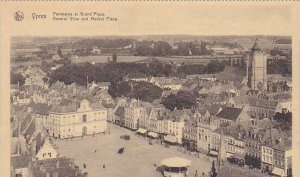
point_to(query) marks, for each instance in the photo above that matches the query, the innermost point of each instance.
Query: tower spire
(255, 46)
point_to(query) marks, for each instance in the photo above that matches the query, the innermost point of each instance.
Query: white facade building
(70, 121)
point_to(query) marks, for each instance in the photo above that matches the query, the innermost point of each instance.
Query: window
(83, 118)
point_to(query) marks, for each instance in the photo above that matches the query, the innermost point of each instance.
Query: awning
(238, 156)
(176, 162)
(170, 138)
(141, 130)
(153, 134)
(228, 154)
(278, 171)
(213, 152)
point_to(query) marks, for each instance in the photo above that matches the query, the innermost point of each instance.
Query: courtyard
(137, 160)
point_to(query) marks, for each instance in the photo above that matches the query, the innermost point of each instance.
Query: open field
(103, 59)
(137, 160)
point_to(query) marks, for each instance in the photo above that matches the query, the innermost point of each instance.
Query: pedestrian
(103, 166)
(84, 165)
(196, 173)
(95, 150)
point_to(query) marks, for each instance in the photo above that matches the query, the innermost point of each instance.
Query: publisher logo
(19, 16)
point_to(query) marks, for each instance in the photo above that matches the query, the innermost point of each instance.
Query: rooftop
(20, 161)
(229, 113)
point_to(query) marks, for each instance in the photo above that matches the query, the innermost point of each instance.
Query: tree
(141, 90)
(119, 89)
(213, 170)
(215, 66)
(16, 78)
(182, 100)
(146, 91)
(284, 120)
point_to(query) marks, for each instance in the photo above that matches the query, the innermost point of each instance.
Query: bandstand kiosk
(175, 167)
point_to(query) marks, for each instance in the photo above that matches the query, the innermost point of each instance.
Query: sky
(165, 18)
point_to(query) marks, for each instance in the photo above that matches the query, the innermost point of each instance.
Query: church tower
(257, 69)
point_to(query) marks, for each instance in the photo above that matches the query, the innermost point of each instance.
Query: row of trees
(114, 72)
(162, 48)
(212, 67)
(111, 72)
(280, 67)
(142, 48)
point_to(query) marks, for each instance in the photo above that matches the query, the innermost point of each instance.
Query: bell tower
(257, 69)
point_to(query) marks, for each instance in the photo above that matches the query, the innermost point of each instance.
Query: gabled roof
(229, 113)
(40, 108)
(284, 145)
(274, 135)
(214, 109)
(176, 115)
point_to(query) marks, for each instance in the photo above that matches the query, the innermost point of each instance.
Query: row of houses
(203, 128)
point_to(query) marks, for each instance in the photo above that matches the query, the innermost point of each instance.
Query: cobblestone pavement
(137, 160)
